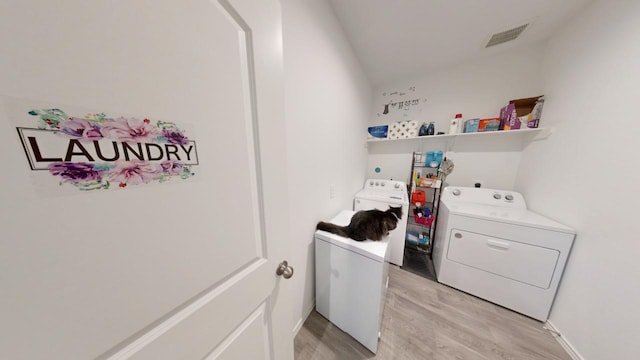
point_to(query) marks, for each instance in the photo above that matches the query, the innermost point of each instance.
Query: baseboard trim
(300, 322)
(565, 344)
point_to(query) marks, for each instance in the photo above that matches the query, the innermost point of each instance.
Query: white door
(164, 270)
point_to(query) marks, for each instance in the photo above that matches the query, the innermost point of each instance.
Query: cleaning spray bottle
(455, 126)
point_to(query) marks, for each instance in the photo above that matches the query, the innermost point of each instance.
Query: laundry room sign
(97, 151)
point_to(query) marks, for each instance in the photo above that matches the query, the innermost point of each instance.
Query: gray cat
(366, 224)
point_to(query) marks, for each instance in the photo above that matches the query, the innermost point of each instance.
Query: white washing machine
(351, 282)
(379, 194)
(488, 244)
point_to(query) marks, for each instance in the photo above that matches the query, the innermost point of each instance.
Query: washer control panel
(386, 186)
(482, 196)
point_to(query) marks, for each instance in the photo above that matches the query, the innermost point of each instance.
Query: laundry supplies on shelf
(434, 159)
(456, 124)
(378, 132)
(418, 196)
(403, 130)
(521, 113)
(431, 129)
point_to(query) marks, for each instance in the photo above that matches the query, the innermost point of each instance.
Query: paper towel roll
(393, 132)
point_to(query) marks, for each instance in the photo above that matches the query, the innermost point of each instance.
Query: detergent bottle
(455, 125)
(423, 130)
(431, 129)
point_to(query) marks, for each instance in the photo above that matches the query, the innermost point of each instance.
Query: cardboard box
(509, 118)
(471, 125)
(521, 113)
(489, 124)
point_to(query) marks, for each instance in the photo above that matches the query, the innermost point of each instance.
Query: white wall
(327, 108)
(583, 175)
(477, 89)
(586, 176)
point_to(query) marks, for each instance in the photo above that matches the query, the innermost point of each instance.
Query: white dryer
(351, 282)
(380, 194)
(488, 244)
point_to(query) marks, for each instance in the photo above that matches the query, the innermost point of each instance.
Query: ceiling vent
(504, 36)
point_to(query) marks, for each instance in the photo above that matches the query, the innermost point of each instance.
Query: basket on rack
(423, 220)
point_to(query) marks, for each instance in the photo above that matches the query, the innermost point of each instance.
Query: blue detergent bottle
(437, 157)
(431, 129)
(423, 130)
(430, 158)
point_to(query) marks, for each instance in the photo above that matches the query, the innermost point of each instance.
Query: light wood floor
(426, 320)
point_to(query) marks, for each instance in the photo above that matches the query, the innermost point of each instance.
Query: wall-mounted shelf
(488, 141)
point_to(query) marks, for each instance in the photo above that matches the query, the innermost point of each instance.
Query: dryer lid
(392, 199)
(521, 217)
(374, 250)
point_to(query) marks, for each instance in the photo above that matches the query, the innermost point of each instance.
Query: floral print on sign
(95, 127)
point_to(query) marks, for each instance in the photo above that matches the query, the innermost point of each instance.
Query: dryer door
(529, 264)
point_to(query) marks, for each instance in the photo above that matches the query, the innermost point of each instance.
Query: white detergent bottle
(454, 127)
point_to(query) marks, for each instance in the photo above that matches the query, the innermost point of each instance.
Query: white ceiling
(399, 39)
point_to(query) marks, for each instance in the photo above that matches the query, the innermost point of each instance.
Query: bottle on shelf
(423, 239)
(456, 124)
(423, 129)
(431, 129)
(418, 211)
(433, 158)
(422, 215)
(437, 157)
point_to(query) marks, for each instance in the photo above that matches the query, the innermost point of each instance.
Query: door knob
(285, 270)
